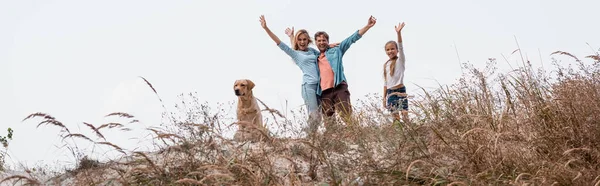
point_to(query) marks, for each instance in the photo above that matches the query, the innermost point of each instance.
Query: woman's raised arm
(263, 23)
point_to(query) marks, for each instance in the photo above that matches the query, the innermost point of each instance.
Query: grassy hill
(527, 126)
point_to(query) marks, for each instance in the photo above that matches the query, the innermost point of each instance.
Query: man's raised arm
(345, 45)
(370, 24)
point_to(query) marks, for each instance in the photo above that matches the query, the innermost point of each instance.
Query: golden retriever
(248, 113)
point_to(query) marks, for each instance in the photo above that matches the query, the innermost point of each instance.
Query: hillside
(527, 126)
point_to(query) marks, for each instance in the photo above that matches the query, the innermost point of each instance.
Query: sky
(81, 60)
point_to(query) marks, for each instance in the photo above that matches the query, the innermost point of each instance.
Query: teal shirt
(334, 56)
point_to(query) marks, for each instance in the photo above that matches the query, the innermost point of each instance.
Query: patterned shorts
(395, 101)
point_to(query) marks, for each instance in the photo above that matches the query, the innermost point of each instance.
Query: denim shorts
(395, 102)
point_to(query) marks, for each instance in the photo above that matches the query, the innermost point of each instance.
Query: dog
(248, 113)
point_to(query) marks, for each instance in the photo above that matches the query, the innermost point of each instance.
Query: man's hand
(399, 27)
(289, 32)
(371, 21)
(263, 23)
(370, 24)
(331, 45)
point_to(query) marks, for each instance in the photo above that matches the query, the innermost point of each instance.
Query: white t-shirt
(397, 78)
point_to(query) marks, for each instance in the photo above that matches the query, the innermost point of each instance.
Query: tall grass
(522, 127)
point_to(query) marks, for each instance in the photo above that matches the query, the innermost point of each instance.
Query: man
(333, 87)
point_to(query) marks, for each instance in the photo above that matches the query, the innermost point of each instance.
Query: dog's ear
(250, 84)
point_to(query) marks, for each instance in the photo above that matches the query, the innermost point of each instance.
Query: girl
(394, 91)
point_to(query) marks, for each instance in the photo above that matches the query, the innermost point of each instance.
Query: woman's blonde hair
(392, 61)
(301, 31)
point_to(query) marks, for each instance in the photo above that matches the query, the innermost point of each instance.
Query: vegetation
(526, 126)
(5, 140)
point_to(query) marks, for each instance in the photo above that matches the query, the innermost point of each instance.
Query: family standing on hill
(324, 84)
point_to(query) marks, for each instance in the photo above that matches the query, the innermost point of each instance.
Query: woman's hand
(289, 32)
(263, 23)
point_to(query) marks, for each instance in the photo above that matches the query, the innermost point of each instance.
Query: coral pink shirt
(326, 72)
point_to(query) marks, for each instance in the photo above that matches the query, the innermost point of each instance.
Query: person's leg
(396, 116)
(404, 104)
(327, 107)
(393, 105)
(342, 103)
(309, 94)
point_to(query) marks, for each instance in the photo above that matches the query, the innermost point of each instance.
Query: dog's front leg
(249, 110)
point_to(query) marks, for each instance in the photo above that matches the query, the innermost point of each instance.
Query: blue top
(306, 60)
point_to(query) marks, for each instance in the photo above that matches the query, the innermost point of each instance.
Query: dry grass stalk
(189, 181)
(95, 130)
(109, 125)
(47, 120)
(77, 135)
(17, 178)
(112, 145)
(120, 114)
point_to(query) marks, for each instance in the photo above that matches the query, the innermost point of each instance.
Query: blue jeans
(309, 94)
(312, 102)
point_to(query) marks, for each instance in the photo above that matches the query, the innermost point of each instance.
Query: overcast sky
(80, 60)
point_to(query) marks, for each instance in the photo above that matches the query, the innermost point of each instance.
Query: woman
(306, 58)
(394, 91)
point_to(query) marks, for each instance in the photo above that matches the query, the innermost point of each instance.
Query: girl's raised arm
(400, 45)
(399, 31)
